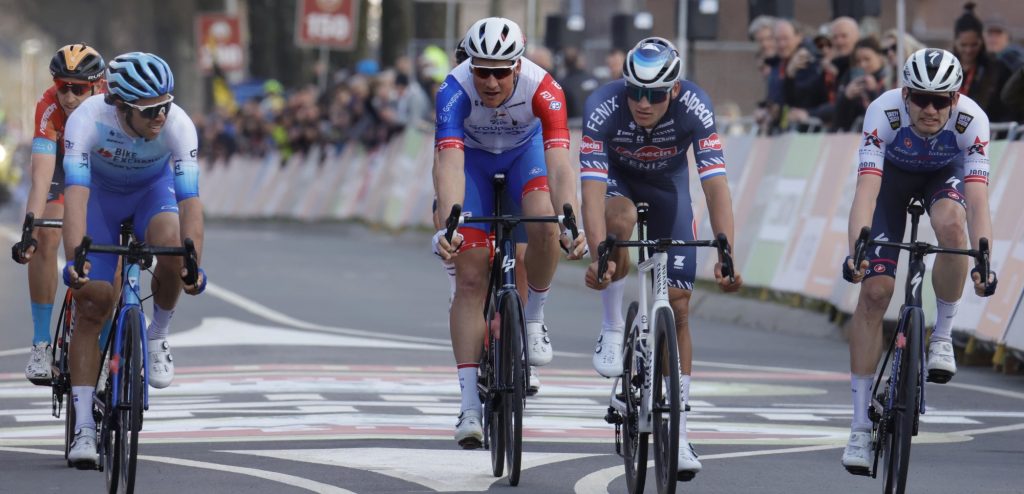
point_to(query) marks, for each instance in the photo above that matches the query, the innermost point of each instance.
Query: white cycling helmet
(653, 63)
(495, 38)
(933, 70)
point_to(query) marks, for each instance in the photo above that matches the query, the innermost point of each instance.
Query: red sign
(648, 153)
(588, 145)
(711, 142)
(219, 39)
(330, 23)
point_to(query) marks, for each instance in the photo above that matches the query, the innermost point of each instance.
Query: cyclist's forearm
(719, 199)
(76, 200)
(561, 179)
(449, 180)
(42, 174)
(979, 220)
(863, 206)
(593, 213)
(190, 215)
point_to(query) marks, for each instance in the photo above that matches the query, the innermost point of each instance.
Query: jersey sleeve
(707, 146)
(44, 140)
(877, 133)
(974, 142)
(549, 106)
(452, 109)
(79, 138)
(183, 141)
(593, 152)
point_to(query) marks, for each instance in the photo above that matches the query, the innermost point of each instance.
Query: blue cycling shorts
(107, 210)
(670, 216)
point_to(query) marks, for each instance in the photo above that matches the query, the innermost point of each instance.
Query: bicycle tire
(905, 406)
(129, 409)
(69, 425)
(665, 401)
(513, 379)
(61, 380)
(494, 427)
(634, 443)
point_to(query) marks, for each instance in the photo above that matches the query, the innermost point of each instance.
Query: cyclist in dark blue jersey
(635, 136)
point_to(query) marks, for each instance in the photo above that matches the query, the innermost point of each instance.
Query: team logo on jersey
(978, 147)
(104, 153)
(588, 145)
(963, 120)
(711, 142)
(872, 139)
(68, 145)
(193, 153)
(894, 118)
(908, 143)
(648, 153)
(555, 106)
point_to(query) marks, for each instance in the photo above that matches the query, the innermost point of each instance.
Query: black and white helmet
(495, 38)
(653, 63)
(933, 70)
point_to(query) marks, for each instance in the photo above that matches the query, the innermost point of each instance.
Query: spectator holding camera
(867, 79)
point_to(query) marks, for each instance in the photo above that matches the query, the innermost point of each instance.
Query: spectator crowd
(814, 81)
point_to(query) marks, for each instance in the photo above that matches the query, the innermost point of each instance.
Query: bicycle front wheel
(906, 365)
(665, 403)
(634, 442)
(494, 427)
(513, 380)
(129, 410)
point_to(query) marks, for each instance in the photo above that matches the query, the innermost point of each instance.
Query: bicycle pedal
(939, 376)
(685, 476)
(866, 472)
(686, 408)
(612, 417)
(41, 382)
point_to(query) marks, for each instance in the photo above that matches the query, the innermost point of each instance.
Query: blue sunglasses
(654, 96)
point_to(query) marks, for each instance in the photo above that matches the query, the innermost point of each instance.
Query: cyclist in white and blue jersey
(635, 136)
(928, 141)
(129, 155)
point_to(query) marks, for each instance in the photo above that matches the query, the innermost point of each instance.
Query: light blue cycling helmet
(653, 63)
(137, 75)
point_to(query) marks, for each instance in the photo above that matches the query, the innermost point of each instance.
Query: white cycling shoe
(83, 454)
(40, 364)
(687, 464)
(161, 363)
(608, 354)
(540, 343)
(859, 453)
(468, 431)
(941, 362)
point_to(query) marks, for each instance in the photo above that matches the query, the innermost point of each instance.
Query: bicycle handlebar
(569, 220)
(455, 218)
(981, 255)
(19, 249)
(452, 223)
(141, 254)
(721, 242)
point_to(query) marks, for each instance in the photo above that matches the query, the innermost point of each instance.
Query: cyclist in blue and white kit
(129, 155)
(925, 140)
(635, 136)
(499, 112)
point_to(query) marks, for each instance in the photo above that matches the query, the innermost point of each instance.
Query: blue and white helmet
(653, 63)
(137, 75)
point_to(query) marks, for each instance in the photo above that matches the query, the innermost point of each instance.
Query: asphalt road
(318, 361)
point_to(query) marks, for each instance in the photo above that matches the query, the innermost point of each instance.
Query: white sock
(82, 396)
(944, 320)
(160, 324)
(467, 385)
(684, 396)
(611, 299)
(535, 303)
(861, 388)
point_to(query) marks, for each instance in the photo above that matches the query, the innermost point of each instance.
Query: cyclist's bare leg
(93, 305)
(163, 231)
(866, 324)
(542, 255)
(949, 220)
(620, 220)
(42, 270)
(679, 299)
(466, 317)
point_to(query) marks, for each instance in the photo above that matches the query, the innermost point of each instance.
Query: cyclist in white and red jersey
(499, 112)
(927, 141)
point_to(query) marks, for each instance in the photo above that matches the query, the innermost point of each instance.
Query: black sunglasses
(654, 96)
(499, 73)
(150, 112)
(889, 49)
(75, 89)
(939, 101)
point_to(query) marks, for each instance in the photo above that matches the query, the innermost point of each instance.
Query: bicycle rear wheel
(129, 408)
(634, 443)
(665, 401)
(513, 379)
(906, 365)
(61, 380)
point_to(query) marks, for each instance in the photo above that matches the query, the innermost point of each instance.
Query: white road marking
(793, 417)
(294, 396)
(442, 470)
(222, 331)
